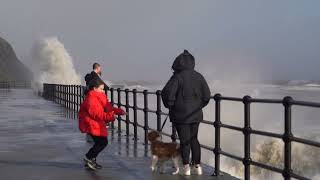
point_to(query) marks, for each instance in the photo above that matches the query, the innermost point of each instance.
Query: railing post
(287, 137)
(158, 93)
(82, 90)
(78, 97)
(135, 115)
(119, 106)
(44, 90)
(112, 103)
(217, 125)
(64, 96)
(146, 118)
(49, 92)
(127, 111)
(247, 132)
(75, 98)
(74, 101)
(69, 97)
(55, 93)
(58, 93)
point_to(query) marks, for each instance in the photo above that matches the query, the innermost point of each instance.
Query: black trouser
(99, 144)
(188, 134)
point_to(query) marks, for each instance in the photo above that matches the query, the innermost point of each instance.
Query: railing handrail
(71, 97)
(15, 84)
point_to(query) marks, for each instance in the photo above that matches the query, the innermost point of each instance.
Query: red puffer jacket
(92, 115)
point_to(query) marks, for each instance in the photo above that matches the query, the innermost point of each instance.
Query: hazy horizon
(231, 40)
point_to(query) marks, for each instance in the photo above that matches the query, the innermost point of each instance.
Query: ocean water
(266, 117)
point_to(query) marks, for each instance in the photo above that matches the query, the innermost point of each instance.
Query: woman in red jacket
(95, 112)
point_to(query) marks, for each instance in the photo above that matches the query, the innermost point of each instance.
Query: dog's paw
(153, 169)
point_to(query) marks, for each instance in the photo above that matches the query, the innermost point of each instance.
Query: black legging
(188, 134)
(99, 144)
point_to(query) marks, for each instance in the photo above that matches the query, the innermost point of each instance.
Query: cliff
(11, 68)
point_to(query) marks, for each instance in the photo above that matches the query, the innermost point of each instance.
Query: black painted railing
(15, 84)
(71, 96)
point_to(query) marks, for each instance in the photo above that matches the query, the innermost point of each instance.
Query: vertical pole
(74, 98)
(287, 137)
(217, 125)
(59, 94)
(65, 95)
(69, 97)
(74, 101)
(158, 93)
(67, 87)
(146, 118)
(112, 102)
(119, 106)
(78, 97)
(247, 132)
(44, 90)
(81, 94)
(55, 93)
(127, 111)
(135, 115)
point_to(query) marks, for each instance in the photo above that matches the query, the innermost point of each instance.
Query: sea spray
(52, 63)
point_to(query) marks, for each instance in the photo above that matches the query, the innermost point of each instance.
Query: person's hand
(119, 111)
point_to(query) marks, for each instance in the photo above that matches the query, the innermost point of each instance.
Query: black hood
(185, 61)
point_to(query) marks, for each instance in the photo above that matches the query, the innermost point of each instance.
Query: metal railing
(4, 85)
(71, 96)
(15, 84)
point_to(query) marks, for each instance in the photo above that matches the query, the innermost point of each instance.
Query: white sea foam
(52, 63)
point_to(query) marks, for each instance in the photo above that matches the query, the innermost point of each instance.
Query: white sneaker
(197, 169)
(186, 170)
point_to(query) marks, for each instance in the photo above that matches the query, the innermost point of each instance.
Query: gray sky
(138, 40)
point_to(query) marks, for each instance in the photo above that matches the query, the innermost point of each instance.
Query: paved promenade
(39, 142)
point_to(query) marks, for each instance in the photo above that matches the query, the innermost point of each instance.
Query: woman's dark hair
(95, 83)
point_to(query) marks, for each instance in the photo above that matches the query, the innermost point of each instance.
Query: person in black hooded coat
(185, 94)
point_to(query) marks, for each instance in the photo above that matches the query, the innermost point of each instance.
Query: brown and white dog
(162, 152)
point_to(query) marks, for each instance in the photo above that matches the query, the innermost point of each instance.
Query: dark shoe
(98, 166)
(90, 163)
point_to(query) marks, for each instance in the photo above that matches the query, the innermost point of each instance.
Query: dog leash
(164, 122)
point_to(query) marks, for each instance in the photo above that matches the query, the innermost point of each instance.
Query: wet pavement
(39, 142)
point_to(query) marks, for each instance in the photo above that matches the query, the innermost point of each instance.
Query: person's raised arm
(117, 111)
